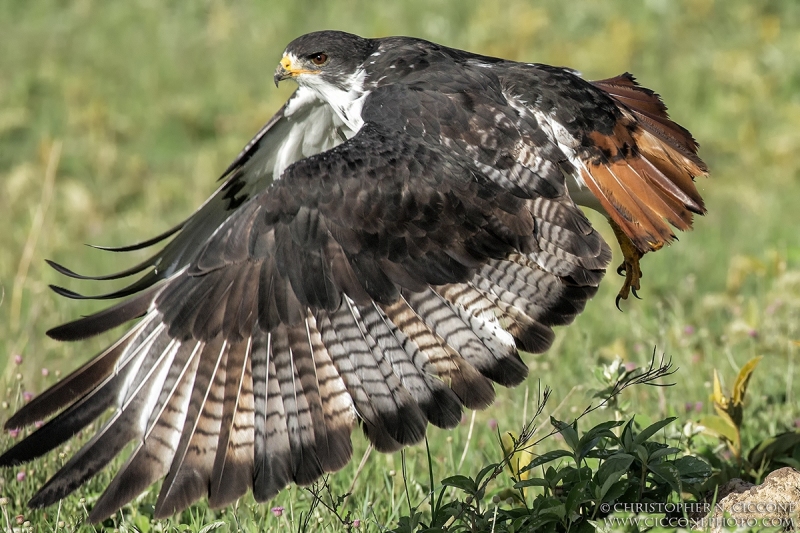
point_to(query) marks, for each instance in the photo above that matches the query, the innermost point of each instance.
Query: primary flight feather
(376, 255)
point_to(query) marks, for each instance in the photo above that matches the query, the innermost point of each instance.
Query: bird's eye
(319, 59)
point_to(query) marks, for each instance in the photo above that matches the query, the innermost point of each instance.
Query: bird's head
(324, 57)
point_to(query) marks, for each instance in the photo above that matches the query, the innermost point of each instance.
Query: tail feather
(626, 194)
(645, 175)
(676, 166)
(648, 106)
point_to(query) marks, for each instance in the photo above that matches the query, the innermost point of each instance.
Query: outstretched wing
(387, 281)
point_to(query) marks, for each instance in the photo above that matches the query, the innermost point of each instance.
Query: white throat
(347, 104)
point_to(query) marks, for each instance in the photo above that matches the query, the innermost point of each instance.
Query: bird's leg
(630, 265)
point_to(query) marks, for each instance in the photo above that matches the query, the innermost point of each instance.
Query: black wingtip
(64, 270)
(15, 457)
(61, 269)
(142, 284)
(9, 458)
(104, 320)
(140, 245)
(72, 295)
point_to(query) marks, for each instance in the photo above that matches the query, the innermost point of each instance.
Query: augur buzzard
(377, 254)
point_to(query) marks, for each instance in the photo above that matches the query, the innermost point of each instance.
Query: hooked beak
(284, 70)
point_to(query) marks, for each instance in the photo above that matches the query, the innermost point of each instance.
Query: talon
(629, 267)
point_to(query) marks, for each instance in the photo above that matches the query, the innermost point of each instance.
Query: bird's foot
(633, 274)
(629, 267)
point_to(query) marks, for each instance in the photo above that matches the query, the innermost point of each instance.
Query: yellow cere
(287, 64)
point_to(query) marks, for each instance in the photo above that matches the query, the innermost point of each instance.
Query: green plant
(565, 489)
(765, 456)
(727, 423)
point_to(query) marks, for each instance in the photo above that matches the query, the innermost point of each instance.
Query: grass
(117, 118)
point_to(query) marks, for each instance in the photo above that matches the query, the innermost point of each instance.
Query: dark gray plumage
(376, 254)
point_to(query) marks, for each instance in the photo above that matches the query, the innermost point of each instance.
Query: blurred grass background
(138, 106)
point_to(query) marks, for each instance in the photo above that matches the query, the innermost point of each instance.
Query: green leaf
(142, 523)
(720, 427)
(577, 475)
(464, 483)
(556, 510)
(626, 439)
(692, 469)
(611, 470)
(212, 526)
(569, 432)
(538, 523)
(743, 379)
(789, 461)
(602, 454)
(616, 490)
(546, 458)
(661, 452)
(603, 430)
(668, 473)
(642, 454)
(407, 524)
(553, 476)
(609, 482)
(772, 448)
(485, 470)
(652, 429)
(618, 461)
(586, 447)
(605, 426)
(532, 482)
(600, 526)
(577, 495)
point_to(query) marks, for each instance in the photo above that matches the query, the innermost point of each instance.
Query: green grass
(149, 101)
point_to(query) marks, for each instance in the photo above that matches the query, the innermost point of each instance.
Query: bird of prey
(376, 255)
